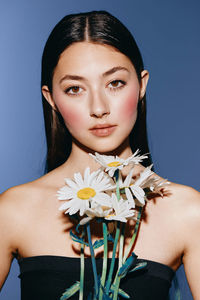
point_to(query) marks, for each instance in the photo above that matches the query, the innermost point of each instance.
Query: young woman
(93, 86)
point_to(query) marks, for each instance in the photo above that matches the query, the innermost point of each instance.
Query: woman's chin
(104, 148)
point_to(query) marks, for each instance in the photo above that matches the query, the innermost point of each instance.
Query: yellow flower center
(86, 193)
(114, 164)
(110, 215)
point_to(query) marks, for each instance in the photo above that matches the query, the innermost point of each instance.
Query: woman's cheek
(72, 117)
(129, 108)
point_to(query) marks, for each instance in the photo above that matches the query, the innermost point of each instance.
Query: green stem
(108, 283)
(117, 184)
(82, 271)
(121, 247)
(134, 235)
(93, 260)
(121, 243)
(105, 259)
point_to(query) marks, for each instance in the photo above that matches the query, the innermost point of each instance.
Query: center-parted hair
(96, 27)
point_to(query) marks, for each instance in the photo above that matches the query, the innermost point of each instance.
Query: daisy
(109, 163)
(125, 185)
(146, 181)
(113, 163)
(155, 184)
(136, 159)
(122, 210)
(138, 187)
(96, 211)
(81, 191)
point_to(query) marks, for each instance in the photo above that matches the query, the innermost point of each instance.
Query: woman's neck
(79, 159)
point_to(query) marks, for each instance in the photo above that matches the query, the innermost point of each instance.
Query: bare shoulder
(188, 219)
(15, 197)
(22, 196)
(19, 205)
(182, 207)
(17, 201)
(14, 203)
(12, 216)
(185, 198)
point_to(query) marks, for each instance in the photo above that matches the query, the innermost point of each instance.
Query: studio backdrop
(167, 33)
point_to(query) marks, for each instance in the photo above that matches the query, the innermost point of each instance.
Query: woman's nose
(99, 105)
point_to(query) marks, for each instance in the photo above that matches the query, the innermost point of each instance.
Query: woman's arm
(191, 234)
(8, 229)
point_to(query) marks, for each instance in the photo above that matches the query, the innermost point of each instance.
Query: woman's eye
(116, 84)
(73, 90)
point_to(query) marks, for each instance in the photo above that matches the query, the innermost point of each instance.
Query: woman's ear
(143, 83)
(48, 96)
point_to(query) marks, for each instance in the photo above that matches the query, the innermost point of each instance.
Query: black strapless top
(47, 277)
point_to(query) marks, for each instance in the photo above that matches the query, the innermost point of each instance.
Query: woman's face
(96, 90)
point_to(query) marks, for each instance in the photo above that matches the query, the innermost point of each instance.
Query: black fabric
(47, 277)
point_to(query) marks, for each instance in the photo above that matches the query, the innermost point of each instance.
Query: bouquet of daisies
(105, 197)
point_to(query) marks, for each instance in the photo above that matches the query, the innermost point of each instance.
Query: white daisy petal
(85, 220)
(112, 163)
(130, 197)
(127, 181)
(122, 210)
(86, 176)
(111, 172)
(71, 183)
(139, 193)
(144, 175)
(64, 206)
(65, 194)
(87, 192)
(78, 178)
(84, 191)
(93, 177)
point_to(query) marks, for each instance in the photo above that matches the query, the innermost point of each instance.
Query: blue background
(167, 33)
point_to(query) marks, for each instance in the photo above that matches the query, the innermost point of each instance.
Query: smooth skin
(106, 91)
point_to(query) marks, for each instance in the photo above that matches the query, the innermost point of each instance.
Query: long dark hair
(97, 27)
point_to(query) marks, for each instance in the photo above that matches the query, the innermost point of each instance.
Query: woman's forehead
(86, 56)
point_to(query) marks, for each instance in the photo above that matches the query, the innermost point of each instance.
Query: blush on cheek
(129, 107)
(70, 114)
(72, 119)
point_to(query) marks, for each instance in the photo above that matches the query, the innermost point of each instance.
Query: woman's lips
(103, 130)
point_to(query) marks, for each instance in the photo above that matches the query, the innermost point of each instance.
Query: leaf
(77, 239)
(120, 292)
(77, 227)
(106, 297)
(139, 266)
(123, 294)
(71, 291)
(127, 265)
(98, 243)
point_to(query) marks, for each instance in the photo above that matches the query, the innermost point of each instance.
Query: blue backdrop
(168, 35)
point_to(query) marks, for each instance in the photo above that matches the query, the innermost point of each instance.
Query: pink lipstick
(102, 129)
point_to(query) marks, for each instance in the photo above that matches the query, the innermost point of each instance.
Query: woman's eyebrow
(109, 72)
(115, 69)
